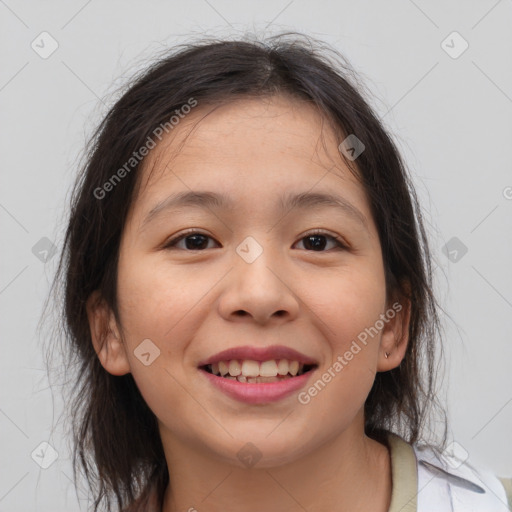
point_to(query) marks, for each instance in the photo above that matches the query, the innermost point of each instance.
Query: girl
(248, 297)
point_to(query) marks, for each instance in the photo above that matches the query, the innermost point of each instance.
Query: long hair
(115, 435)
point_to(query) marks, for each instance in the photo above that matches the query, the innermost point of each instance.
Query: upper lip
(259, 354)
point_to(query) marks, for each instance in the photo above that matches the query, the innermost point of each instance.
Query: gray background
(452, 119)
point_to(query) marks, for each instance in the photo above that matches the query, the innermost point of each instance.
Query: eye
(194, 241)
(316, 241)
(197, 241)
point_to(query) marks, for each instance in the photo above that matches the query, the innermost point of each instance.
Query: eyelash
(170, 244)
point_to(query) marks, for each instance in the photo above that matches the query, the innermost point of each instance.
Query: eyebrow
(286, 202)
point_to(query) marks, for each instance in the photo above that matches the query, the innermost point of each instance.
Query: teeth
(223, 368)
(257, 380)
(268, 369)
(234, 368)
(254, 371)
(250, 368)
(282, 367)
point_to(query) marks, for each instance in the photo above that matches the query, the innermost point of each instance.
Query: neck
(350, 472)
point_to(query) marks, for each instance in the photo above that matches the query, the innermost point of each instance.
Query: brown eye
(318, 240)
(193, 241)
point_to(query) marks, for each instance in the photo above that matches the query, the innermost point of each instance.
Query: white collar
(448, 483)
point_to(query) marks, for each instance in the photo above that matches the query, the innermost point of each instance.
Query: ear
(105, 336)
(395, 333)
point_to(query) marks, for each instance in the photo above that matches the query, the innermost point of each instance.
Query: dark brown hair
(115, 435)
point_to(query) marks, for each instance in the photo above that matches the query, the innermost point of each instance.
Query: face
(251, 269)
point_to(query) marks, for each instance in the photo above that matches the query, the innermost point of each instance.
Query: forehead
(246, 146)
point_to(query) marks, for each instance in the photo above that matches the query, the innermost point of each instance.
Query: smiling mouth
(255, 372)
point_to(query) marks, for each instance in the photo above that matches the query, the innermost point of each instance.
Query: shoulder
(444, 478)
(507, 484)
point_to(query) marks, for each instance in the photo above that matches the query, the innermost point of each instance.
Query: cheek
(164, 305)
(347, 303)
(349, 307)
(348, 321)
(152, 299)
(158, 306)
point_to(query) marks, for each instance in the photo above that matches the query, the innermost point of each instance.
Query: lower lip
(258, 393)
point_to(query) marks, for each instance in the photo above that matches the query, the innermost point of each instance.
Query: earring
(386, 355)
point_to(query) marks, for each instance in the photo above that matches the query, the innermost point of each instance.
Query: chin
(262, 450)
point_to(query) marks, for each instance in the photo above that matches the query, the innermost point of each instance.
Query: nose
(258, 292)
